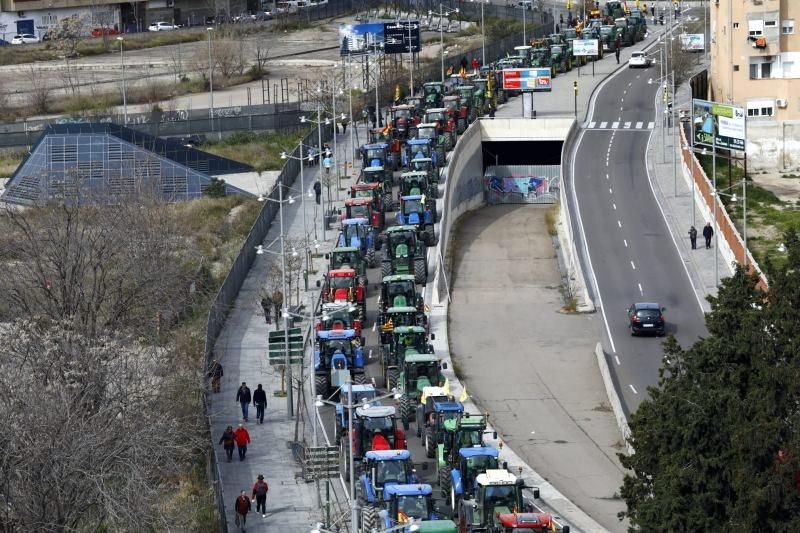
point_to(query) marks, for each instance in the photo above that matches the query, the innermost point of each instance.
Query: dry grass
(9, 161)
(260, 150)
(551, 219)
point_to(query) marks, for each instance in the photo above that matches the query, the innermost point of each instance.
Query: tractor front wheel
(392, 376)
(420, 272)
(321, 385)
(430, 442)
(386, 269)
(360, 378)
(445, 481)
(405, 411)
(370, 257)
(369, 519)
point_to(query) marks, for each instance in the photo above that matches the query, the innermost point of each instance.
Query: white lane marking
(633, 266)
(619, 223)
(606, 176)
(615, 206)
(626, 242)
(370, 356)
(627, 125)
(651, 125)
(634, 390)
(374, 325)
(639, 125)
(615, 125)
(640, 289)
(625, 91)
(638, 76)
(622, 108)
(616, 358)
(603, 125)
(610, 191)
(592, 124)
(629, 84)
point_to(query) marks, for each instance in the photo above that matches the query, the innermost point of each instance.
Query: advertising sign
(693, 42)
(722, 125)
(585, 47)
(527, 79)
(355, 39)
(401, 37)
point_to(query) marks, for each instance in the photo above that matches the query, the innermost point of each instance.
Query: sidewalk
(292, 504)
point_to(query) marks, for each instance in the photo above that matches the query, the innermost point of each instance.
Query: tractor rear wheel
(430, 442)
(461, 126)
(321, 385)
(370, 258)
(369, 518)
(445, 481)
(344, 458)
(392, 375)
(420, 272)
(387, 201)
(405, 411)
(360, 378)
(386, 269)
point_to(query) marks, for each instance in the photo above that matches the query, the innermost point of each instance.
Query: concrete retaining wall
(773, 146)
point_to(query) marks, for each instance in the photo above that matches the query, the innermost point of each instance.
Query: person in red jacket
(379, 442)
(242, 507)
(242, 438)
(260, 490)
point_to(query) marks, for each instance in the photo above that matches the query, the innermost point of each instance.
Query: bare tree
(66, 36)
(39, 95)
(262, 54)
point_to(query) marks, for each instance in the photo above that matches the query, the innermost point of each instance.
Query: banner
(585, 47)
(717, 124)
(401, 37)
(693, 42)
(355, 39)
(527, 79)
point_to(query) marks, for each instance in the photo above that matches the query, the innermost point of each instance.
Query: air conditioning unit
(782, 103)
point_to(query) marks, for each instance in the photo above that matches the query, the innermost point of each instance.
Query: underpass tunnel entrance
(522, 172)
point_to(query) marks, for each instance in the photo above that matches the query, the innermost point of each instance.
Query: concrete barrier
(613, 397)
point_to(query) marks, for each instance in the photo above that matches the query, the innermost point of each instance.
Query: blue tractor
(362, 395)
(375, 155)
(419, 149)
(338, 359)
(414, 211)
(400, 504)
(358, 233)
(381, 469)
(458, 480)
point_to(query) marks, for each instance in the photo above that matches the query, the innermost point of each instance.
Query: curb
(613, 397)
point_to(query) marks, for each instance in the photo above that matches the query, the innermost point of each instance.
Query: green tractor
(405, 341)
(608, 37)
(560, 59)
(417, 182)
(626, 32)
(593, 33)
(637, 25)
(437, 138)
(614, 9)
(468, 94)
(419, 370)
(480, 98)
(541, 58)
(463, 431)
(382, 176)
(400, 291)
(433, 93)
(404, 253)
(497, 493)
(395, 317)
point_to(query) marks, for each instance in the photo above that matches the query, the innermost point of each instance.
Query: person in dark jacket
(260, 490)
(242, 507)
(215, 373)
(318, 191)
(266, 306)
(228, 442)
(708, 232)
(260, 401)
(244, 398)
(693, 237)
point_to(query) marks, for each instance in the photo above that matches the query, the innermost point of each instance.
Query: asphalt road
(631, 251)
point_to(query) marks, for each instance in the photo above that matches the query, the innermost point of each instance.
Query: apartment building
(755, 64)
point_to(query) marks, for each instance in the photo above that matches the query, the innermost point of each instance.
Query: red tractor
(404, 117)
(344, 286)
(374, 191)
(531, 522)
(362, 208)
(444, 125)
(457, 112)
(339, 316)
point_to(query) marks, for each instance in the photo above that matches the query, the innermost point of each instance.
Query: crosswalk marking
(621, 125)
(614, 125)
(592, 125)
(651, 125)
(639, 125)
(604, 125)
(627, 125)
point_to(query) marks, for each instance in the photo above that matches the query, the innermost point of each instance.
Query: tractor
(469, 109)
(401, 503)
(437, 526)
(399, 317)
(340, 316)
(541, 58)
(456, 112)
(608, 37)
(363, 208)
(464, 431)
(362, 395)
(374, 427)
(531, 522)
(559, 58)
(444, 125)
(403, 340)
(386, 136)
(374, 191)
(593, 33)
(400, 291)
(421, 148)
(427, 165)
(627, 34)
(358, 233)
(457, 479)
(432, 416)
(614, 9)
(414, 211)
(338, 359)
(404, 117)
(497, 493)
(382, 469)
(637, 26)
(418, 183)
(382, 176)
(481, 96)
(419, 370)
(433, 92)
(374, 155)
(342, 285)
(348, 257)
(404, 253)
(438, 141)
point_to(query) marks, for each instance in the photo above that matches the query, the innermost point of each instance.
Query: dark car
(647, 318)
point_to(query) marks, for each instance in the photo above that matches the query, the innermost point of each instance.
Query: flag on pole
(464, 395)
(446, 387)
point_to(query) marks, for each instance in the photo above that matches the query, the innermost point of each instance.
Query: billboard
(401, 37)
(722, 125)
(355, 39)
(527, 79)
(585, 47)
(693, 42)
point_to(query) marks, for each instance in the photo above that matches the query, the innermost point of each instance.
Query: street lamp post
(124, 88)
(524, 25)
(483, 33)
(442, 13)
(210, 81)
(302, 158)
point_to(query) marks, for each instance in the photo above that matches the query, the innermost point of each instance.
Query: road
(630, 248)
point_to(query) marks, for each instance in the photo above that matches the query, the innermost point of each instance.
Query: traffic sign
(585, 47)
(321, 462)
(277, 347)
(527, 79)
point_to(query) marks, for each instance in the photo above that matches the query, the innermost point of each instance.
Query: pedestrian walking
(558, 28)
(617, 48)
(260, 401)
(244, 398)
(266, 306)
(708, 232)
(693, 237)
(242, 507)
(277, 304)
(228, 442)
(345, 122)
(242, 438)
(260, 490)
(215, 373)
(327, 163)
(318, 191)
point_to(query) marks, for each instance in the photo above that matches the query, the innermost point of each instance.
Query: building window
(735, 25)
(760, 70)
(736, 68)
(770, 23)
(761, 108)
(787, 27)
(755, 28)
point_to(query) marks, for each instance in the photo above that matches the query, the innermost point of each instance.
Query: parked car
(25, 38)
(639, 60)
(99, 32)
(263, 15)
(647, 317)
(162, 26)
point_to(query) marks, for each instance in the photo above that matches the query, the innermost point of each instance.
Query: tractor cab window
(391, 472)
(433, 117)
(341, 283)
(556, 49)
(427, 371)
(374, 153)
(468, 439)
(361, 397)
(351, 231)
(396, 238)
(481, 463)
(501, 496)
(426, 133)
(402, 319)
(382, 423)
(398, 289)
(364, 193)
(412, 206)
(605, 30)
(413, 506)
(340, 260)
(419, 166)
(340, 346)
(402, 113)
(359, 211)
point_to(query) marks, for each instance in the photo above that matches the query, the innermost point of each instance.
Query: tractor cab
(464, 431)
(403, 118)
(425, 164)
(400, 291)
(362, 394)
(452, 105)
(459, 480)
(376, 175)
(340, 316)
(395, 317)
(404, 253)
(416, 183)
(405, 502)
(414, 101)
(348, 257)
(343, 285)
(382, 469)
(523, 51)
(374, 155)
(435, 413)
(355, 208)
(409, 340)
(497, 492)
(444, 125)
(415, 211)
(374, 191)
(358, 233)
(419, 370)
(420, 148)
(433, 92)
(375, 427)
(338, 359)
(468, 94)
